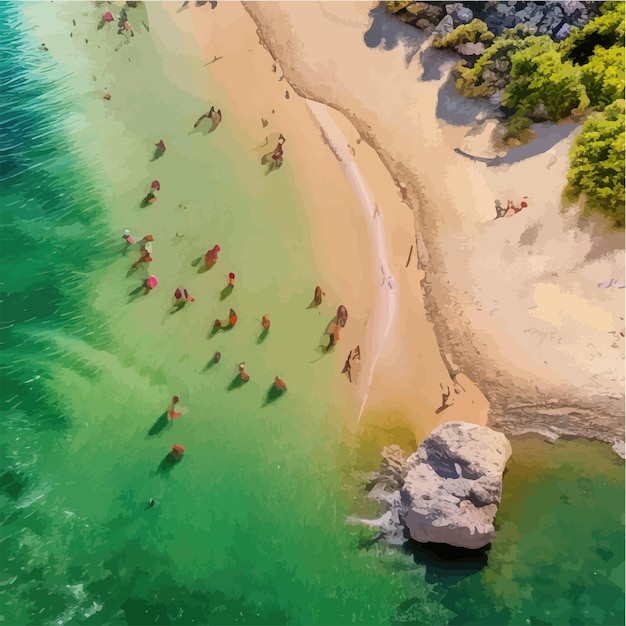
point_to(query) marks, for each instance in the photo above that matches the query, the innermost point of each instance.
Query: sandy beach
(515, 302)
(401, 371)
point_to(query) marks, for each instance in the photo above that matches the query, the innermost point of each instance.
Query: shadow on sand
(210, 365)
(158, 153)
(159, 426)
(273, 393)
(168, 463)
(263, 335)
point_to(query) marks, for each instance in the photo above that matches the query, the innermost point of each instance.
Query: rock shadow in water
(444, 563)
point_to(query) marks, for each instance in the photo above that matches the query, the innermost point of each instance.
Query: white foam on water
(387, 303)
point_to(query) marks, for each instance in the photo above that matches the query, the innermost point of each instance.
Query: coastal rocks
(445, 26)
(453, 485)
(554, 19)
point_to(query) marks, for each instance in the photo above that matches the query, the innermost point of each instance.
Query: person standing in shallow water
(317, 298)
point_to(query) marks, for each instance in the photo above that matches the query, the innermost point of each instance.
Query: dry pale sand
(515, 302)
(403, 365)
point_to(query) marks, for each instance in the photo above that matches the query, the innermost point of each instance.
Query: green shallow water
(249, 527)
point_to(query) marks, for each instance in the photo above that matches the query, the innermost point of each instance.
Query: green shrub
(491, 71)
(539, 76)
(597, 163)
(474, 32)
(605, 30)
(603, 76)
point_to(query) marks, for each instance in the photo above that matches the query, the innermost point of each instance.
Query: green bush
(597, 163)
(603, 76)
(491, 71)
(474, 32)
(539, 76)
(605, 30)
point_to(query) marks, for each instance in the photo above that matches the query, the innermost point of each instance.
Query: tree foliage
(474, 32)
(597, 163)
(603, 76)
(540, 77)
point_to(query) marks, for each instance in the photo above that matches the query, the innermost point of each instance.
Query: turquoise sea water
(249, 527)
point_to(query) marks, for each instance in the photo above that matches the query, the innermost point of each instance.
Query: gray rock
(464, 15)
(425, 11)
(571, 6)
(453, 485)
(471, 49)
(445, 26)
(563, 32)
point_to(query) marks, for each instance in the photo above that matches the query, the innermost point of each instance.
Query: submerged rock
(453, 485)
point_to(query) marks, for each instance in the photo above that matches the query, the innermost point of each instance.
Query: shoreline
(400, 384)
(566, 410)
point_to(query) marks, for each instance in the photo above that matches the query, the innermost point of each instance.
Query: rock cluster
(447, 492)
(554, 19)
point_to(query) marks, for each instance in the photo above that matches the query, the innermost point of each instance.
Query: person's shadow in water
(160, 425)
(226, 292)
(236, 383)
(167, 464)
(273, 393)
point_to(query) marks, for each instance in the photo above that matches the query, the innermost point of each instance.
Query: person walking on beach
(342, 315)
(279, 383)
(210, 257)
(278, 152)
(231, 280)
(216, 357)
(333, 337)
(145, 255)
(265, 322)
(128, 237)
(171, 409)
(317, 298)
(182, 296)
(232, 318)
(242, 373)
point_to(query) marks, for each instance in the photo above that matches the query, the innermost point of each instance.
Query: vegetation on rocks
(474, 32)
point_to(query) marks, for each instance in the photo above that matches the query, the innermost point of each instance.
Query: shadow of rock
(444, 563)
(387, 32)
(435, 62)
(456, 110)
(159, 426)
(548, 135)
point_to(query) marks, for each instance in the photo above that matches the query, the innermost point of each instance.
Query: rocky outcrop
(453, 485)
(554, 19)
(448, 492)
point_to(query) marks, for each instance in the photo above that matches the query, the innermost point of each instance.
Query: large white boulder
(453, 485)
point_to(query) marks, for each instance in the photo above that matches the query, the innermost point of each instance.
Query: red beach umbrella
(108, 17)
(152, 281)
(156, 185)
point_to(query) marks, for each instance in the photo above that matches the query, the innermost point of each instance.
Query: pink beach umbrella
(152, 281)
(127, 26)
(108, 17)
(156, 185)
(160, 145)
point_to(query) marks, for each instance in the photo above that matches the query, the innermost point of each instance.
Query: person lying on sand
(500, 210)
